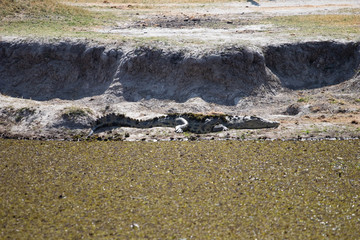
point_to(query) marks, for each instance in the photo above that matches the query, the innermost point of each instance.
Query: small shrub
(307, 131)
(75, 112)
(242, 137)
(293, 109)
(336, 101)
(23, 112)
(303, 100)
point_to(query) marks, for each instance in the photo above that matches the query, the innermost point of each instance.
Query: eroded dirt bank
(55, 90)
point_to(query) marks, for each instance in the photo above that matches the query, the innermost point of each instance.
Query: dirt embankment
(45, 71)
(95, 77)
(313, 65)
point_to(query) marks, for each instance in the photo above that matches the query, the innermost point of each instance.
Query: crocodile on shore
(195, 123)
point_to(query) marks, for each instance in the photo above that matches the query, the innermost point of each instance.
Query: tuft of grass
(23, 112)
(303, 99)
(336, 101)
(75, 112)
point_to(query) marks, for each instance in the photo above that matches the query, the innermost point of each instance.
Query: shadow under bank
(313, 64)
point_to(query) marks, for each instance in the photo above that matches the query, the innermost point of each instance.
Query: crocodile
(195, 123)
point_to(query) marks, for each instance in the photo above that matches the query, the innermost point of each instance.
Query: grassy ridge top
(47, 18)
(36, 9)
(180, 190)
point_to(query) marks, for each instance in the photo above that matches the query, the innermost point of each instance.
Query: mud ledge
(55, 90)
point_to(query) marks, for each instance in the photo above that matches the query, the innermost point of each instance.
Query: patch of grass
(307, 131)
(178, 190)
(37, 9)
(48, 18)
(187, 134)
(23, 112)
(75, 112)
(18, 114)
(303, 99)
(336, 101)
(327, 25)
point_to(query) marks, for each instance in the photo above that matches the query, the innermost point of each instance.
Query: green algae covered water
(180, 190)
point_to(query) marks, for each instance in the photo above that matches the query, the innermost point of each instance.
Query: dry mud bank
(56, 90)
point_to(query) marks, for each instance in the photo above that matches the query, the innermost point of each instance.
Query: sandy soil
(219, 23)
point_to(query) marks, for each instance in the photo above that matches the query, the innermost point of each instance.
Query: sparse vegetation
(303, 99)
(336, 101)
(47, 18)
(23, 112)
(54, 18)
(326, 25)
(178, 190)
(75, 112)
(18, 114)
(35, 9)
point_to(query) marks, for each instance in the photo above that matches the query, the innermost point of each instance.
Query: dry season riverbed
(180, 190)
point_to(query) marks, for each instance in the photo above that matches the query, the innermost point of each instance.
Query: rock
(293, 109)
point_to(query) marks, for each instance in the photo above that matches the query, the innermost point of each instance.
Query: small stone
(134, 225)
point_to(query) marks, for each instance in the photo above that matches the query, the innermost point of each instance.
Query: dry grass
(325, 20)
(321, 24)
(34, 9)
(46, 18)
(75, 112)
